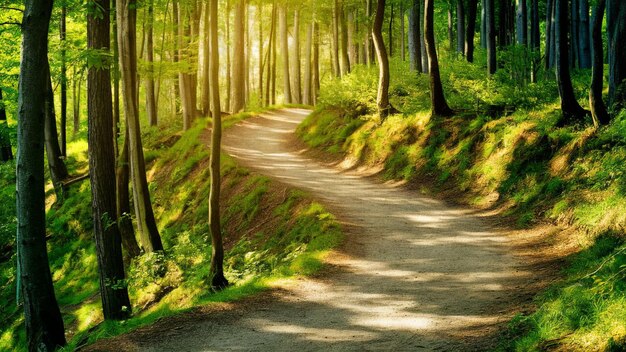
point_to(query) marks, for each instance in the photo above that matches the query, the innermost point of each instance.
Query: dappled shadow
(415, 273)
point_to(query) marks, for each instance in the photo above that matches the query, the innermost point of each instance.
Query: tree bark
(124, 220)
(218, 281)
(237, 101)
(113, 291)
(297, 69)
(483, 24)
(390, 31)
(460, 27)
(335, 40)
(308, 50)
(617, 54)
(569, 105)
(491, 37)
(585, 43)
(184, 84)
(382, 100)
(425, 68)
(6, 152)
(369, 41)
(450, 26)
(522, 22)
(535, 39)
(58, 169)
(415, 34)
(402, 33)
(596, 102)
(345, 59)
(472, 8)
(146, 224)
(284, 42)
(151, 107)
(316, 63)
(42, 317)
(63, 81)
(439, 106)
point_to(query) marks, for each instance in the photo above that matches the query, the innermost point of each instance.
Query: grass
(503, 149)
(294, 236)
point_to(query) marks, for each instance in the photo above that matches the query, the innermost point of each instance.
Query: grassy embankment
(503, 149)
(272, 233)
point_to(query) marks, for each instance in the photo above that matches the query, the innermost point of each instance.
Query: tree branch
(10, 23)
(11, 8)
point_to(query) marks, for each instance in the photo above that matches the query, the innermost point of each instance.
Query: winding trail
(414, 274)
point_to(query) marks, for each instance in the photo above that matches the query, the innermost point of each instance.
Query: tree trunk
(585, 43)
(146, 224)
(483, 24)
(6, 153)
(284, 42)
(229, 83)
(472, 9)
(205, 98)
(63, 82)
(596, 103)
(76, 100)
(335, 41)
(522, 22)
(262, 57)
(308, 49)
(569, 105)
(297, 75)
(450, 27)
(316, 63)
(183, 77)
(269, 61)
(58, 169)
(460, 27)
(113, 291)
(382, 100)
(491, 37)
(124, 219)
(345, 59)
(402, 33)
(617, 54)
(550, 34)
(42, 317)
(151, 108)
(439, 106)
(574, 34)
(415, 34)
(237, 101)
(390, 31)
(369, 41)
(425, 67)
(218, 281)
(535, 39)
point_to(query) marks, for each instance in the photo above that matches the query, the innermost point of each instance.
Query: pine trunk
(415, 34)
(439, 106)
(460, 27)
(297, 69)
(617, 54)
(382, 100)
(284, 42)
(308, 50)
(472, 9)
(58, 169)
(63, 82)
(596, 102)
(491, 37)
(237, 101)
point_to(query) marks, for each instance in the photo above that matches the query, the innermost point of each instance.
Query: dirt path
(415, 274)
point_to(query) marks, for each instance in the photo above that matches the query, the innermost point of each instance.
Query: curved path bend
(414, 274)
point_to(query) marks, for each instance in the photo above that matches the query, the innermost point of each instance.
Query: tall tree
(345, 59)
(472, 8)
(297, 75)
(550, 38)
(415, 34)
(151, 106)
(6, 153)
(335, 40)
(218, 280)
(369, 41)
(522, 22)
(308, 74)
(58, 169)
(315, 85)
(42, 317)
(237, 101)
(460, 27)
(596, 103)
(569, 105)
(382, 100)
(535, 38)
(584, 46)
(113, 291)
(63, 83)
(439, 106)
(146, 224)
(616, 23)
(284, 42)
(490, 27)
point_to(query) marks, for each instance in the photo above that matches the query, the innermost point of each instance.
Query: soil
(414, 273)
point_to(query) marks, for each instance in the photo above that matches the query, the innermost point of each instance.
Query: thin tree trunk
(306, 98)
(535, 38)
(124, 220)
(596, 103)
(335, 41)
(262, 58)
(345, 59)
(113, 291)
(472, 9)
(617, 54)
(369, 41)
(274, 46)
(146, 224)
(76, 100)
(460, 27)
(450, 26)
(491, 37)
(218, 281)
(585, 43)
(522, 22)
(402, 33)
(237, 101)
(382, 100)
(439, 105)
(569, 105)
(63, 82)
(483, 24)
(316, 63)
(390, 31)
(58, 169)
(425, 68)
(42, 317)
(415, 35)
(6, 152)
(151, 107)
(297, 76)
(206, 85)
(285, 54)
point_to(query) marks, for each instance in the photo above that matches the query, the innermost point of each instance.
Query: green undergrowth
(271, 233)
(503, 149)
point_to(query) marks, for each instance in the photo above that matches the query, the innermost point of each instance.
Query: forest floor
(414, 273)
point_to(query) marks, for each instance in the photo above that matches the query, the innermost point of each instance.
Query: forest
(331, 175)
